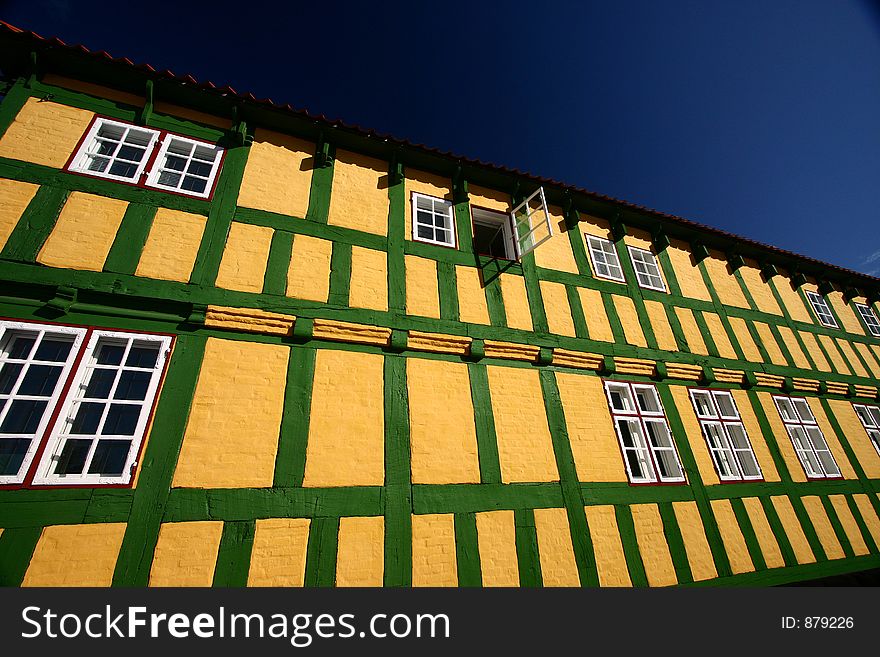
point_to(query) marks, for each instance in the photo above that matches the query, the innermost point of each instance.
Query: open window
(511, 236)
(807, 437)
(493, 234)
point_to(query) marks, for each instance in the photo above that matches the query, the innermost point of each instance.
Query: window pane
(21, 347)
(100, 383)
(24, 416)
(88, 417)
(875, 415)
(175, 163)
(40, 380)
(658, 435)
(620, 398)
(786, 410)
(121, 420)
(54, 350)
(865, 416)
(110, 354)
(9, 376)
(12, 453)
(197, 168)
(133, 385)
(131, 153)
(123, 169)
(191, 184)
(648, 400)
(425, 232)
(73, 457)
(803, 410)
(726, 405)
(703, 404)
(109, 458)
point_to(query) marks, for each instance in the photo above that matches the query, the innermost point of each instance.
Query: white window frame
(449, 214)
(80, 161)
(645, 451)
(869, 416)
(727, 457)
(807, 438)
(504, 222)
(648, 261)
(597, 247)
(869, 318)
(821, 309)
(524, 228)
(159, 163)
(7, 330)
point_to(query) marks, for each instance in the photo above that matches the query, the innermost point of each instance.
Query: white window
(493, 234)
(649, 453)
(603, 255)
(870, 418)
(84, 396)
(432, 220)
(726, 435)
(531, 221)
(647, 270)
(820, 307)
(809, 442)
(869, 318)
(511, 236)
(145, 157)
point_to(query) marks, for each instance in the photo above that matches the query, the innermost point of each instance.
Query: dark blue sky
(753, 116)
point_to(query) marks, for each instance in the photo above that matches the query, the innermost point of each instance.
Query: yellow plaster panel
(483, 197)
(557, 308)
(809, 340)
(346, 444)
(422, 291)
(595, 226)
(744, 338)
(427, 184)
(764, 533)
(694, 434)
(850, 526)
(433, 550)
(629, 319)
(786, 448)
(472, 306)
(278, 174)
(845, 313)
(876, 349)
(558, 566)
(791, 299)
(719, 335)
(598, 325)
(840, 456)
(191, 115)
(726, 284)
(360, 560)
(610, 558)
(243, 266)
(731, 536)
(756, 436)
(75, 555)
(639, 239)
(868, 357)
(799, 543)
(172, 245)
(556, 252)
(691, 331)
(687, 272)
(186, 553)
(516, 302)
(308, 276)
(856, 436)
(45, 133)
(84, 232)
(278, 557)
(770, 344)
(14, 198)
(235, 416)
(441, 420)
(359, 197)
(868, 514)
(369, 279)
(496, 537)
(594, 443)
(660, 325)
(761, 292)
(652, 545)
(524, 445)
(794, 348)
(823, 527)
(97, 90)
(699, 555)
(851, 358)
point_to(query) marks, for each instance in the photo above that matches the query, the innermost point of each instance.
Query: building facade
(243, 345)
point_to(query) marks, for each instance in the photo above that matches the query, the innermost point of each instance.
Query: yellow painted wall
(278, 557)
(191, 115)
(652, 545)
(278, 174)
(172, 245)
(744, 338)
(96, 90)
(516, 302)
(763, 532)
(84, 232)
(346, 444)
(660, 325)
(865, 352)
(629, 319)
(793, 530)
(598, 325)
(849, 524)
(719, 335)
(558, 566)
(845, 313)
(308, 276)
(14, 198)
(369, 279)
(823, 527)
(687, 272)
(483, 197)
(186, 553)
(496, 537)
(794, 348)
(756, 436)
(427, 184)
(786, 448)
(235, 416)
(770, 344)
(243, 266)
(694, 434)
(866, 510)
(761, 292)
(834, 445)
(472, 306)
(590, 431)
(525, 449)
(360, 558)
(422, 291)
(691, 331)
(359, 197)
(441, 420)
(75, 555)
(812, 347)
(852, 360)
(731, 536)
(45, 133)
(607, 547)
(595, 226)
(791, 299)
(725, 283)
(556, 252)
(433, 550)
(856, 436)
(699, 554)
(557, 308)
